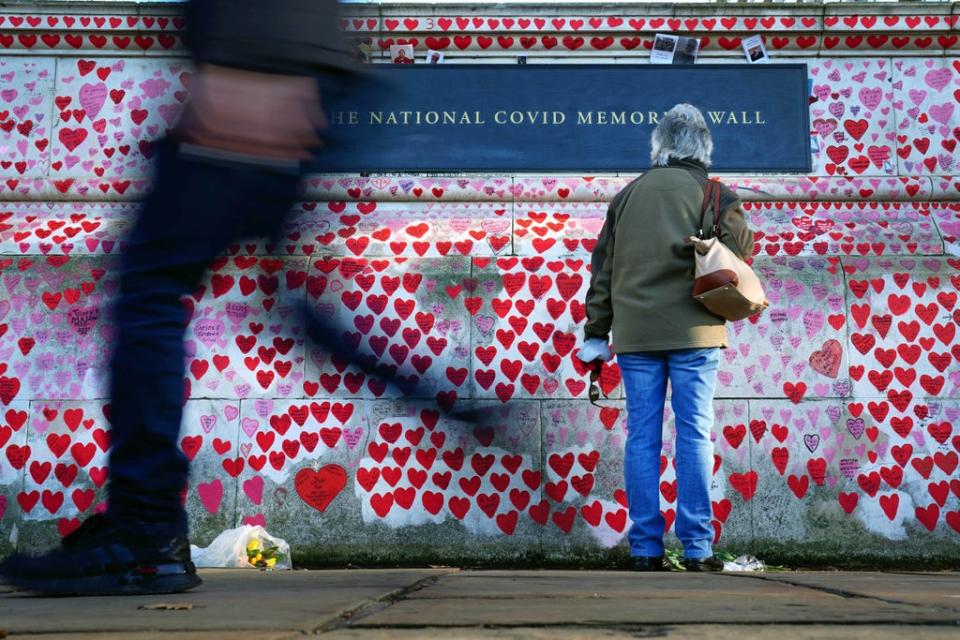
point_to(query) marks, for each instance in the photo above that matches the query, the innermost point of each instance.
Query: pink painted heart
(826, 360)
(92, 97)
(255, 521)
(249, 426)
(211, 494)
(208, 422)
(937, 79)
(253, 488)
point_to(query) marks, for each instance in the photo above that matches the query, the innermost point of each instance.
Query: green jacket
(642, 272)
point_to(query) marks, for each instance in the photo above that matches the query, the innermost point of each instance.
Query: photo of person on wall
(401, 53)
(687, 50)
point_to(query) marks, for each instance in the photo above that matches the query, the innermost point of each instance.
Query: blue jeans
(693, 377)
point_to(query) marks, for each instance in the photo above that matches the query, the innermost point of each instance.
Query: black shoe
(103, 558)
(713, 563)
(649, 563)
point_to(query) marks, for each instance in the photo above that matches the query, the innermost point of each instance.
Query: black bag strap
(711, 200)
(707, 189)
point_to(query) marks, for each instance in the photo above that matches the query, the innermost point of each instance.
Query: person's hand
(594, 349)
(262, 114)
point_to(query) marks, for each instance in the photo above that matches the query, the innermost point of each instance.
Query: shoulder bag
(725, 284)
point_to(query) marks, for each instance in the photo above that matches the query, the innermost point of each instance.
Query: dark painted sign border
(400, 149)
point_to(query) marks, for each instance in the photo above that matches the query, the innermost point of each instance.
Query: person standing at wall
(640, 287)
(229, 171)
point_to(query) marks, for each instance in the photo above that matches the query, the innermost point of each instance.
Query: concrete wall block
(245, 337)
(36, 29)
(868, 483)
(902, 329)
(824, 188)
(898, 17)
(409, 312)
(58, 336)
(796, 348)
(928, 121)
(851, 113)
(526, 327)
(289, 243)
(362, 20)
(14, 462)
(946, 216)
(209, 438)
(603, 45)
(408, 188)
(558, 230)
(401, 229)
(563, 189)
(851, 228)
(584, 506)
(588, 19)
(25, 125)
(803, 454)
(433, 487)
(73, 189)
(110, 111)
(66, 470)
(294, 463)
(52, 228)
(734, 480)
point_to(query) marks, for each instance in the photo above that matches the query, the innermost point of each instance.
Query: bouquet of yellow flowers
(244, 547)
(262, 556)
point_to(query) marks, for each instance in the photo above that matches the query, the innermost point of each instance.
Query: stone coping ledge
(493, 29)
(512, 188)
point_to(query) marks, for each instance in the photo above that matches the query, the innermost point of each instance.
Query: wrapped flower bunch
(262, 556)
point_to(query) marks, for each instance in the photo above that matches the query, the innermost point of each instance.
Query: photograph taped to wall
(686, 51)
(754, 50)
(401, 53)
(663, 47)
(434, 57)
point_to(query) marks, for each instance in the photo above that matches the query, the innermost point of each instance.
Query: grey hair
(682, 134)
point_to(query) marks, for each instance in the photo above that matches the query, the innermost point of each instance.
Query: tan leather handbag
(725, 284)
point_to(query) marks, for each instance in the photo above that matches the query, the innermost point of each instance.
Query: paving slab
(165, 635)
(612, 598)
(228, 600)
(552, 605)
(941, 589)
(679, 632)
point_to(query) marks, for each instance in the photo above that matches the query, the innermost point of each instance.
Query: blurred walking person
(230, 170)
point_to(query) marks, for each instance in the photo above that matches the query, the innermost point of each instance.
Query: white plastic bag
(744, 563)
(245, 547)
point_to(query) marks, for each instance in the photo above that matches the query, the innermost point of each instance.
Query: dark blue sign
(583, 118)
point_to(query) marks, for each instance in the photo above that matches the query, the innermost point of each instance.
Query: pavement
(549, 605)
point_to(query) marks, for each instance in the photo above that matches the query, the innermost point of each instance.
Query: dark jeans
(197, 209)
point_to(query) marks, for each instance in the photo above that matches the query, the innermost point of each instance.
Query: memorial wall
(837, 433)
